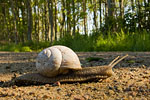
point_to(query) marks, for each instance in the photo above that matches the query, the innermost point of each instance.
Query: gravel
(130, 82)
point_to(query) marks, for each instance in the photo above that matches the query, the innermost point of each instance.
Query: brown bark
(23, 22)
(68, 17)
(55, 19)
(15, 21)
(30, 20)
(45, 21)
(50, 10)
(121, 8)
(35, 20)
(63, 19)
(100, 8)
(95, 15)
(73, 9)
(111, 5)
(85, 17)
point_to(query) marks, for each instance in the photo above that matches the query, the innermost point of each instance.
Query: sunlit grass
(112, 42)
(96, 42)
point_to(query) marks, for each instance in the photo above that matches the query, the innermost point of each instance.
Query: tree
(74, 22)
(63, 19)
(121, 8)
(30, 21)
(95, 14)
(50, 10)
(15, 21)
(68, 3)
(55, 1)
(52, 19)
(100, 13)
(85, 17)
(111, 13)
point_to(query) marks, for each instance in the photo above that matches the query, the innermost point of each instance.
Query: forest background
(83, 25)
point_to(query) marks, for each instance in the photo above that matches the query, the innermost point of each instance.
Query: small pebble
(58, 89)
(14, 86)
(86, 97)
(111, 92)
(130, 82)
(47, 85)
(79, 98)
(56, 84)
(42, 87)
(45, 96)
(31, 93)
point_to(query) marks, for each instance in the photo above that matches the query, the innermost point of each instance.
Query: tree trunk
(106, 11)
(132, 24)
(42, 10)
(15, 21)
(23, 22)
(139, 15)
(85, 18)
(35, 20)
(95, 15)
(100, 13)
(63, 19)
(68, 17)
(55, 19)
(148, 15)
(121, 8)
(111, 13)
(30, 20)
(45, 21)
(111, 4)
(38, 19)
(50, 10)
(74, 24)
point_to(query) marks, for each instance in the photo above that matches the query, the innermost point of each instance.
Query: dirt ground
(130, 82)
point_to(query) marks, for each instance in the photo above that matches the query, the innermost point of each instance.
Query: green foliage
(77, 43)
(15, 48)
(36, 46)
(10, 47)
(26, 49)
(97, 41)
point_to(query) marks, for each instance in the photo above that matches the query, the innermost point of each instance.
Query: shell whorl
(57, 60)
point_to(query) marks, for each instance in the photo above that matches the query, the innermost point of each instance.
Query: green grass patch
(97, 41)
(24, 47)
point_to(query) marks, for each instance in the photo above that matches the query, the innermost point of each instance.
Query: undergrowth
(97, 41)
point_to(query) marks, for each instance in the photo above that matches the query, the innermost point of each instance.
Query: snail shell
(57, 60)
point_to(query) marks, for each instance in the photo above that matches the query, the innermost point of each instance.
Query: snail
(60, 63)
(57, 60)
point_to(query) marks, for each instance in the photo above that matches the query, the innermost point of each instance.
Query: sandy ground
(130, 82)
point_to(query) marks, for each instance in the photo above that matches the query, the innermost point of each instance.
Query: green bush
(78, 43)
(26, 49)
(10, 47)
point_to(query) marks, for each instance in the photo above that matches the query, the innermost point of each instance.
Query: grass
(135, 41)
(24, 47)
(97, 41)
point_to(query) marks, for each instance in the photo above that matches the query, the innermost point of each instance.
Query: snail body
(57, 60)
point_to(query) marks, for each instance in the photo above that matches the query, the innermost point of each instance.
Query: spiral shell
(57, 60)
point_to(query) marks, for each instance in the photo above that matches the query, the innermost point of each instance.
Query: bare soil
(130, 82)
